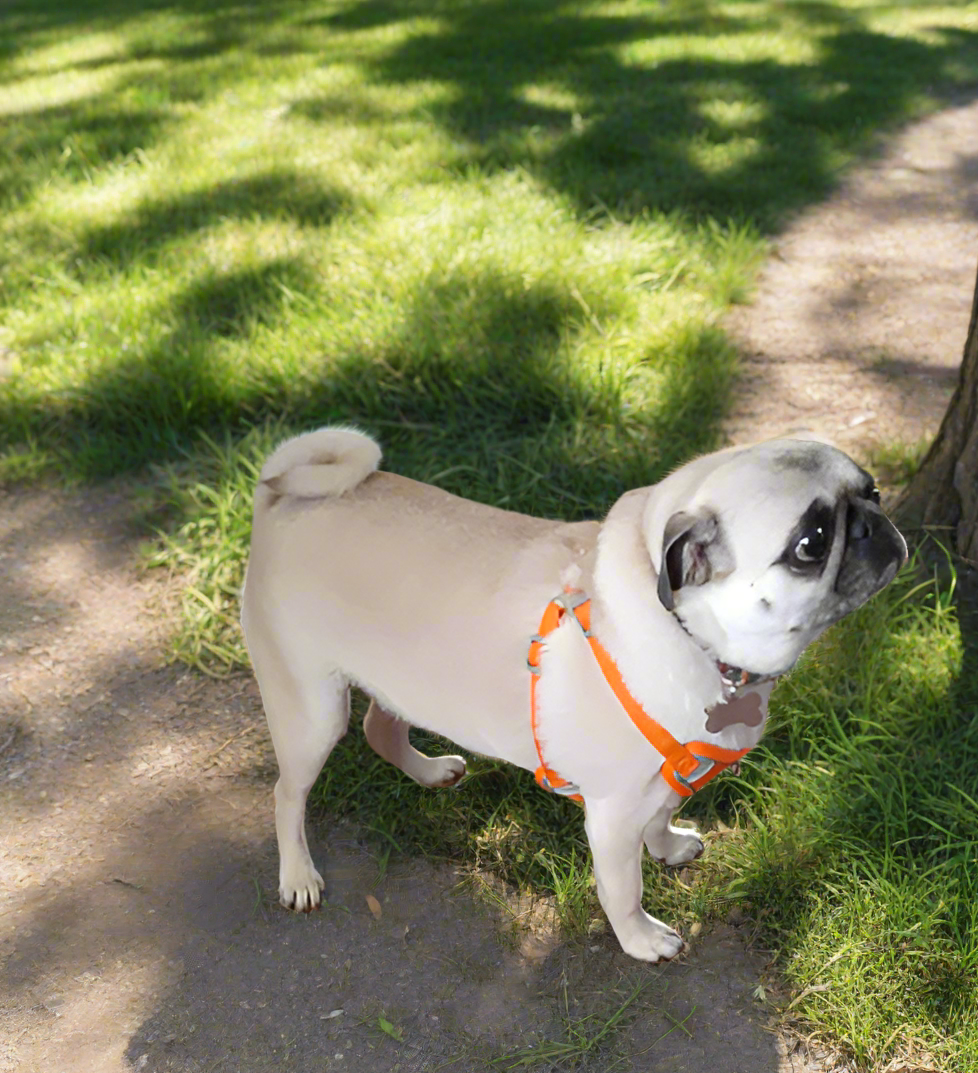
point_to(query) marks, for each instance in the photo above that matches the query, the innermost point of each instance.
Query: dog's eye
(812, 546)
(810, 543)
(870, 490)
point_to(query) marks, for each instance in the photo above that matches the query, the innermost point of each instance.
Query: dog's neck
(626, 585)
(643, 638)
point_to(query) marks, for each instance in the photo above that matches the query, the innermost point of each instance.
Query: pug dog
(701, 591)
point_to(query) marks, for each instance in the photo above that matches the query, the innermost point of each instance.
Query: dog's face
(765, 547)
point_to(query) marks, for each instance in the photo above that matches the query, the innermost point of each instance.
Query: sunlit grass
(142, 146)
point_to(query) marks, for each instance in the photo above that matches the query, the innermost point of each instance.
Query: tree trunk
(943, 494)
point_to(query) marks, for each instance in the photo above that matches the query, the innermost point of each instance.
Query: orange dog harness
(685, 768)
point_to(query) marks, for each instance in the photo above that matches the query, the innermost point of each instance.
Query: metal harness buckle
(704, 768)
(568, 790)
(533, 668)
(568, 601)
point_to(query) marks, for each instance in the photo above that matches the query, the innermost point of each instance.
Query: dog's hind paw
(449, 771)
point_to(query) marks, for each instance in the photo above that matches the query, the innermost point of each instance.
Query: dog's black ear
(691, 546)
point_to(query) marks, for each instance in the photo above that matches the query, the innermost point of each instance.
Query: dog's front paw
(676, 845)
(300, 888)
(648, 939)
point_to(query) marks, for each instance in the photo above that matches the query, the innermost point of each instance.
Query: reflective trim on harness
(686, 768)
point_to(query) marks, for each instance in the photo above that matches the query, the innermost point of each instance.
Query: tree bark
(943, 494)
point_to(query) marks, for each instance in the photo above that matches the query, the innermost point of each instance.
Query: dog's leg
(388, 737)
(307, 716)
(669, 844)
(615, 831)
(303, 737)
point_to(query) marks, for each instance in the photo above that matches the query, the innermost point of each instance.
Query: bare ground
(138, 923)
(859, 323)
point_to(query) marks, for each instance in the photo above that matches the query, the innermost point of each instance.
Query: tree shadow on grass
(504, 414)
(211, 29)
(479, 379)
(753, 138)
(644, 140)
(161, 62)
(727, 137)
(23, 18)
(71, 140)
(146, 406)
(649, 136)
(277, 194)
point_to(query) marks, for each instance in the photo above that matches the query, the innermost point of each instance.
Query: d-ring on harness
(686, 768)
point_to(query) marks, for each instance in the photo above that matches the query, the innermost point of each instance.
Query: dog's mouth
(735, 677)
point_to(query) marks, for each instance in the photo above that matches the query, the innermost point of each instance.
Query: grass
(895, 463)
(500, 235)
(584, 1037)
(213, 213)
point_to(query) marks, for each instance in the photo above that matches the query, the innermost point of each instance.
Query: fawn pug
(699, 592)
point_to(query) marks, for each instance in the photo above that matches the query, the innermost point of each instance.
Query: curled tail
(327, 462)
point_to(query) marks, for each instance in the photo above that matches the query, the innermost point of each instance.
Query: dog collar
(685, 767)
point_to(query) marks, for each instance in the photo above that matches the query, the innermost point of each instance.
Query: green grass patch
(895, 463)
(499, 235)
(214, 214)
(858, 837)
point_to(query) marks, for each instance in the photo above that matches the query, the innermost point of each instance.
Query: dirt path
(138, 924)
(859, 323)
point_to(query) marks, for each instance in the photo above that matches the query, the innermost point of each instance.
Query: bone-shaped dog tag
(745, 709)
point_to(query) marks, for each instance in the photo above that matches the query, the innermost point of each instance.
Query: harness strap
(686, 768)
(546, 776)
